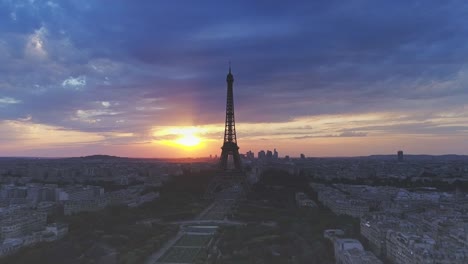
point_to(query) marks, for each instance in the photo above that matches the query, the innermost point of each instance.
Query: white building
(351, 251)
(22, 223)
(76, 206)
(302, 200)
(79, 193)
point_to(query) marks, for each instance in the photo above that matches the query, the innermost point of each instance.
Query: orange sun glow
(188, 140)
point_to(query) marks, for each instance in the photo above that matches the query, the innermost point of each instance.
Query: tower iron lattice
(231, 177)
(230, 139)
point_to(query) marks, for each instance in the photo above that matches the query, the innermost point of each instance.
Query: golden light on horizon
(188, 140)
(187, 137)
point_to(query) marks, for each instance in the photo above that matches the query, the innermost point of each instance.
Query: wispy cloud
(8, 100)
(74, 83)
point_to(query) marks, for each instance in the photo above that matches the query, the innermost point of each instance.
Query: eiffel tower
(231, 175)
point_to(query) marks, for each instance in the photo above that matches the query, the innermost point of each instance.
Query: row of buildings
(436, 235)
(404, 226)
(31, 190)
(20, 226)
(84, 170)
(340, 202)
(25, 209)
(386, 167)
(349, 250)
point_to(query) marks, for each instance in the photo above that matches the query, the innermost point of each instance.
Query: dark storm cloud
(134, 64)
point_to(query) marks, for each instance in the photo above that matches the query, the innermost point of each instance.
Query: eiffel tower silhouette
(231, 174)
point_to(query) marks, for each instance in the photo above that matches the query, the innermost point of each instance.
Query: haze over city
(146, 79)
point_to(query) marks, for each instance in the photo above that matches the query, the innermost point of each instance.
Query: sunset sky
(148, 78)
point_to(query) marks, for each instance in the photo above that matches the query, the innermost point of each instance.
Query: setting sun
(188, 140)
(187, 137)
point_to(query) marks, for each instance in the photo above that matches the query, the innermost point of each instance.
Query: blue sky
(323, 78)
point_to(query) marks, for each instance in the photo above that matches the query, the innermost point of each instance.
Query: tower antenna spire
(229, 66)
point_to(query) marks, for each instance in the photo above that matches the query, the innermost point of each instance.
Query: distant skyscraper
(400, 155)
(261, 154)
(302, 156)
(275, 154)
(250, 155)
(269, 154)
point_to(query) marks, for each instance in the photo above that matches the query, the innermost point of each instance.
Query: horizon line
(213, 157)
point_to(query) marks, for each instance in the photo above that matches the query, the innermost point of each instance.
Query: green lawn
(180, 255)
(193, 240)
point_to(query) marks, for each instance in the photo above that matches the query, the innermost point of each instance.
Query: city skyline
(148, 80)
